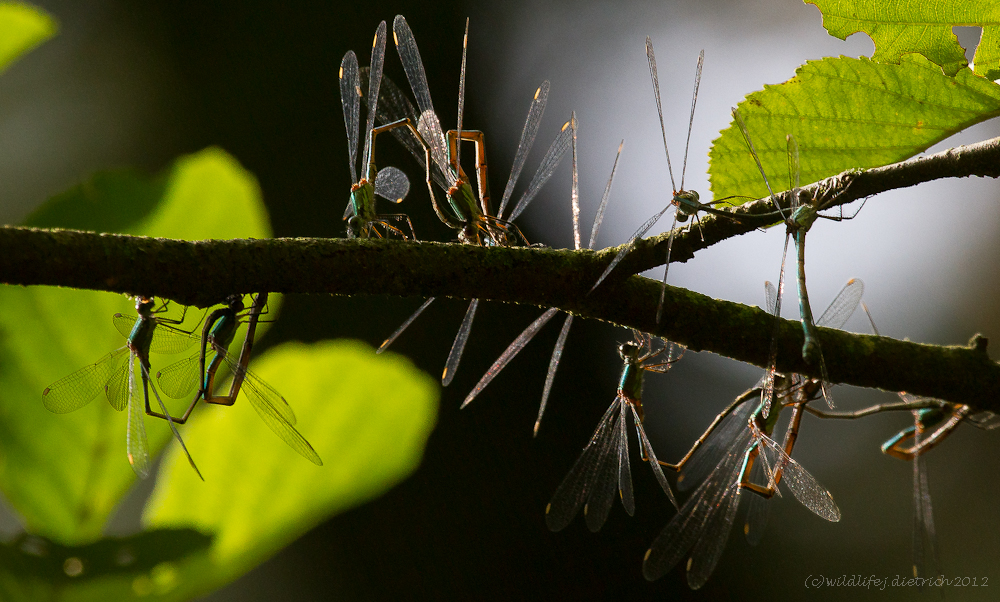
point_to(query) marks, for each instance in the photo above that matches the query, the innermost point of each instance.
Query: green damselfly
(702, 525)
(603, 466)
(686, 201)
(115, 375)
(798, 220)
(737, 452)
(178, 379)
(470, 216)
(389, 183)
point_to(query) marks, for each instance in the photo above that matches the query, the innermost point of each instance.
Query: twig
(204, 272)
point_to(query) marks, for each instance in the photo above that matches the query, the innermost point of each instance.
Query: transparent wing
(925, 554)
(81, 387)
(770, 302)
(393, 105)
(461, 96)
(180, 378)
(694, 101)
(707, 457)
(124, 323)
(557, 150)
(666, 269)
(708, 549)
(255, 386)
(349, 100)
(758, 510)
(275, 412)
(428, 124)
(550, 376)
(629, 245)
(385, 344)
(719, 522)
(624, 469)
(392, 184)
(528, 134)
(374, 83)
(803, 486)
(772, 357)
(409, 55)
(604, 200)
(843, 305)
(429, 127)
(574, 488)
(648, 448)
(574, 194)
(771, 458)
(136, 444)
(738, 119)
(173, 427)
(825, 383)
(512, 350)
(169, 340)
(700, 512)
(605, 479)
(458, 347)
(651, 59)
(118, 386)
(771, 297)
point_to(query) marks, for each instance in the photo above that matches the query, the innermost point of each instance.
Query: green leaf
(110, 201)
(34, 568)
(22, 28)
(367, 416)
(65, 473)
(899, 28)
(847, 113)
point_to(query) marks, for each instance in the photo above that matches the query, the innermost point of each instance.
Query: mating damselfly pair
(151, 331)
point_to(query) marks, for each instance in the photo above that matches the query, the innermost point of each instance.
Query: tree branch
(980, 159)
(204, 272)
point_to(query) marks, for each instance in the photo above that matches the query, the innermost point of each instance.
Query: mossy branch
(203, 272)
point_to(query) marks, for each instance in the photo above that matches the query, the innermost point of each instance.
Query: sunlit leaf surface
(22, 28)
(367, 416)
(899, 28)
(847, 113)
(65, 473)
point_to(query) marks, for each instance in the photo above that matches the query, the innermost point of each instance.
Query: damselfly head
(928, 418)
(687, 204)
(354, 225)
(235, 302)
(690, 196)
(804, 216)
(629, 352)
(144, 306)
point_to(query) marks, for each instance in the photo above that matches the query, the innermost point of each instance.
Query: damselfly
(115, 375)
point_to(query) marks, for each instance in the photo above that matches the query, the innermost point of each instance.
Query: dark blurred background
(137, 84)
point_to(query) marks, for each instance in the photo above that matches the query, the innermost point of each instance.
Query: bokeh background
(136, 84)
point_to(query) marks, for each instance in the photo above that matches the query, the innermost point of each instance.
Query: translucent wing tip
(140, 467)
